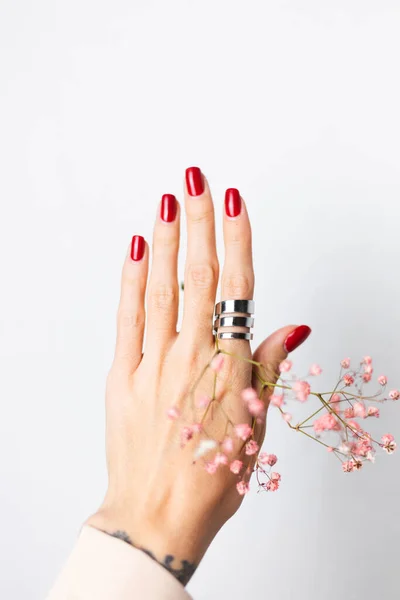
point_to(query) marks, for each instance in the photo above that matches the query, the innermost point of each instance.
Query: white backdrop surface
(102, 106)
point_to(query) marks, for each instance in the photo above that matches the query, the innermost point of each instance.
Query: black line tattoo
(183, 574)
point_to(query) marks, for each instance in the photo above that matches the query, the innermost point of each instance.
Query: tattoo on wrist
(183, 574)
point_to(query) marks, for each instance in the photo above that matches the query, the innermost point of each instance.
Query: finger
(201, 271)
(270, 353)
(275, 349)
(237, 275)
(163, 291)
(131, 311)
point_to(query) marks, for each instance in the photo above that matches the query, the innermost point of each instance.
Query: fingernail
(233, 202)
(296, 338)
(194, 181)
(137, 247)
(168, 208)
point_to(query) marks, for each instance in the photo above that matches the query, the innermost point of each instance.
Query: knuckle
(130, 319)
(205, 217)
(203, 275)
(163, 296)
(164, 242)
(237, 285)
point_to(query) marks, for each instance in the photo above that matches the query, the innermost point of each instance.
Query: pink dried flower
(345, 448)
(388, 443)
(243, 431)
(249, 394)
(368, 369)
(394, 394)
(197, 428)
(173, 413)
(367, 377)
(235, 466)
(354, 425)
(302, 390)
(315, 370)
(330, 449)
(349, 412)
(286, 417)
(335, 402)
(267, 459)
(186, 435)
(362, 448)
(357, 465)
(345, 363)
(272, 485)
(220, 459)
(277, 400)
(348, 466)
(285, 366)
(242, 487)
(373, 411)
(367, 360)
(382, 379)
(256, 408)
(348, 379)
(227, 445)
(203, 401)
(359, 410)
(211, 468)
(326, 423)
(251, 447)
(217, 362)
(275, 476)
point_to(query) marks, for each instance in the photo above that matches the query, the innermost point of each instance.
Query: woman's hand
(158, 499)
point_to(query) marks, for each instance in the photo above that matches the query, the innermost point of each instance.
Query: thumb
(274, 349)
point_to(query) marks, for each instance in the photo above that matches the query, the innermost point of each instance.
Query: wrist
(179, 553)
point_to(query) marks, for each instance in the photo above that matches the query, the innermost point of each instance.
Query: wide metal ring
(234, 335)
(233, 321)
(235, 306)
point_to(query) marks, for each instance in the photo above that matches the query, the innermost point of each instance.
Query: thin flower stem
(203, 418)
(329, 408)
(311, 416)
(248, 360)
(214, 386)
(312, 437)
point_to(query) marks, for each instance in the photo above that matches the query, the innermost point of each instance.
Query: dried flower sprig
(334, 425)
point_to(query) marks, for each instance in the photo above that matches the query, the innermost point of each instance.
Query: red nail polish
(194, 181)
(168, 208)
(233, 202)
(297, 337)
(137, 248)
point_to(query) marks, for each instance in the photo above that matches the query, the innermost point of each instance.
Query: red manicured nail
(168, 208)
(233, 202)
(137, 248)
(194, 181)
(297, 337)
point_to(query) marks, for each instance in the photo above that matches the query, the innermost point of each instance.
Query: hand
(157, 498)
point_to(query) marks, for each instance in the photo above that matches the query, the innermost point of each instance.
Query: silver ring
(234, 335)
(233, 321)
(235, 306)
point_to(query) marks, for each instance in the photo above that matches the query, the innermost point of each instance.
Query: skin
(157, 499)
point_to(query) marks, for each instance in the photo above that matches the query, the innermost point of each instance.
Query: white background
(103, 105)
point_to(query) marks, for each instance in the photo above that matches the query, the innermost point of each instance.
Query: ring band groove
(234, 321)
